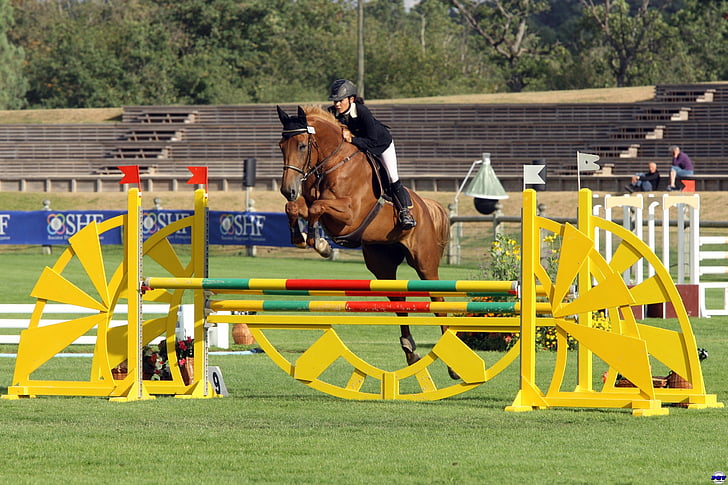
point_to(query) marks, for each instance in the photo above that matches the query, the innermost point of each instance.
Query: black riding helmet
(340, 89)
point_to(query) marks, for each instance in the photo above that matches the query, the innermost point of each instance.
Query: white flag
(585, 162)
(531, 174)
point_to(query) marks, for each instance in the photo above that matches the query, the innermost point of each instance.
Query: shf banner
(225, 227)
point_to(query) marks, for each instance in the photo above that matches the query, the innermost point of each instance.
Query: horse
(331, 184)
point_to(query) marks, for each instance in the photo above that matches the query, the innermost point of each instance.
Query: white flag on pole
(531, 174)
(586, 162)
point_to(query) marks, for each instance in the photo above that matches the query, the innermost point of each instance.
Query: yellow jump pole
(585, 358)
(200, 387)
(528, 397)
(133, 264)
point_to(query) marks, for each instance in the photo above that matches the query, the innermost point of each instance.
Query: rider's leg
(403, 204)
(400, 196)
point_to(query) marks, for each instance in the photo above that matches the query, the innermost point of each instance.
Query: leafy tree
(309, 44)
(261, 50)
(632, 36)
(95, 53)
(504, 26)
(425, 52)
(12, 82)
(98, 54)
(702, 28)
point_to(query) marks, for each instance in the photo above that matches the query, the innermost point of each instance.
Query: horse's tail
(441, 221)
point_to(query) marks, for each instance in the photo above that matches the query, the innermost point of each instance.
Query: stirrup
(406, 221)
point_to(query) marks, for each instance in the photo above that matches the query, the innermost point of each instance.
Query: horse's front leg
(296, 210)
(339, 212)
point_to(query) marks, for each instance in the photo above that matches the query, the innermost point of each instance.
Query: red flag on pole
(199, 175)
(131, 174)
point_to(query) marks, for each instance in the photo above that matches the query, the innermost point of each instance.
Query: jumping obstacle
(629, 348)
(40, 343)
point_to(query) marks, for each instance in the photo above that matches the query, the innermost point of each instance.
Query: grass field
(272, 429)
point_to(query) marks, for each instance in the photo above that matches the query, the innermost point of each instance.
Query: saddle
(380, 177)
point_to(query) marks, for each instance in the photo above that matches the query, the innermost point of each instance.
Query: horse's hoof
(453, 375)
(408, 344)
(411, 357)
(323, 248)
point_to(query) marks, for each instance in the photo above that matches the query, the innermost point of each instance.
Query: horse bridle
(317, 168)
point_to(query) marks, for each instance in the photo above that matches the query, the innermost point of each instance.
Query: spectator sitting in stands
(682, 166)
(645, 182)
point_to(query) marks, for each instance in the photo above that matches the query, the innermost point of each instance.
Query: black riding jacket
(370, 134)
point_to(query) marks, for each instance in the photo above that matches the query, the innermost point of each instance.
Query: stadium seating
(433, 141)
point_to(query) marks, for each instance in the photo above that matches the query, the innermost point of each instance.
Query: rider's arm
(371, 133)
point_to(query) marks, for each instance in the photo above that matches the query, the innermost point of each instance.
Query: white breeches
(389, 158)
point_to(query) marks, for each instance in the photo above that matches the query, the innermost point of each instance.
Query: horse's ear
(282, 115)
(301, 114)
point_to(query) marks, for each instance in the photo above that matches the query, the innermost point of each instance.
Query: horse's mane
(315, 111)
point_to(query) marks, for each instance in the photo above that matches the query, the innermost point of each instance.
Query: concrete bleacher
(436, 144)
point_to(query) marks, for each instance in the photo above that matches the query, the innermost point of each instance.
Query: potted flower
(153, 365)
(185, 358)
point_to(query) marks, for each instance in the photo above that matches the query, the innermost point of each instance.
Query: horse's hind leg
(382, 261)
(428, 269)
(408, 344)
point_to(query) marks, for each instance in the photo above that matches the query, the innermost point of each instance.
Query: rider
(369, 135)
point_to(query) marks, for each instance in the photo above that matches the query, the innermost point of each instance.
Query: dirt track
(558, 204)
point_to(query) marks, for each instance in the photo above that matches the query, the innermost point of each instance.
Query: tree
(504, 26)
(420, 52)
(702, 27)
(13, 84)
(96, 54)
(630, 36)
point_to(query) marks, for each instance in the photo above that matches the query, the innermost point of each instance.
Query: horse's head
(309, 139)
(296, 148)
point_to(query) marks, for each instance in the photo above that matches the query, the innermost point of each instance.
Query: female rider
(369, 135)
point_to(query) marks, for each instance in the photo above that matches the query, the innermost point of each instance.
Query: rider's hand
(346, 134)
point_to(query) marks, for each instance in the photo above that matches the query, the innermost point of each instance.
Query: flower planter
(657, 382)
(188, 371)
(241, 334)
(120, 372)
(675, 381)
(118, 375)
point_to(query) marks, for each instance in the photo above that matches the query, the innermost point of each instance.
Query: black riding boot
(403, 204)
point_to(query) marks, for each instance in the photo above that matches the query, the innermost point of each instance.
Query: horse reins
(316, 169)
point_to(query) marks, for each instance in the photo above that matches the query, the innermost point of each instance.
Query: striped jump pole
(346, 287)
(474, 307)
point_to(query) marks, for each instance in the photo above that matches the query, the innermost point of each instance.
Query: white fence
(716, 257)
(218, 336)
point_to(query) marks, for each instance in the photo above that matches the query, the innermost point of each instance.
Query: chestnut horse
(329, 183)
